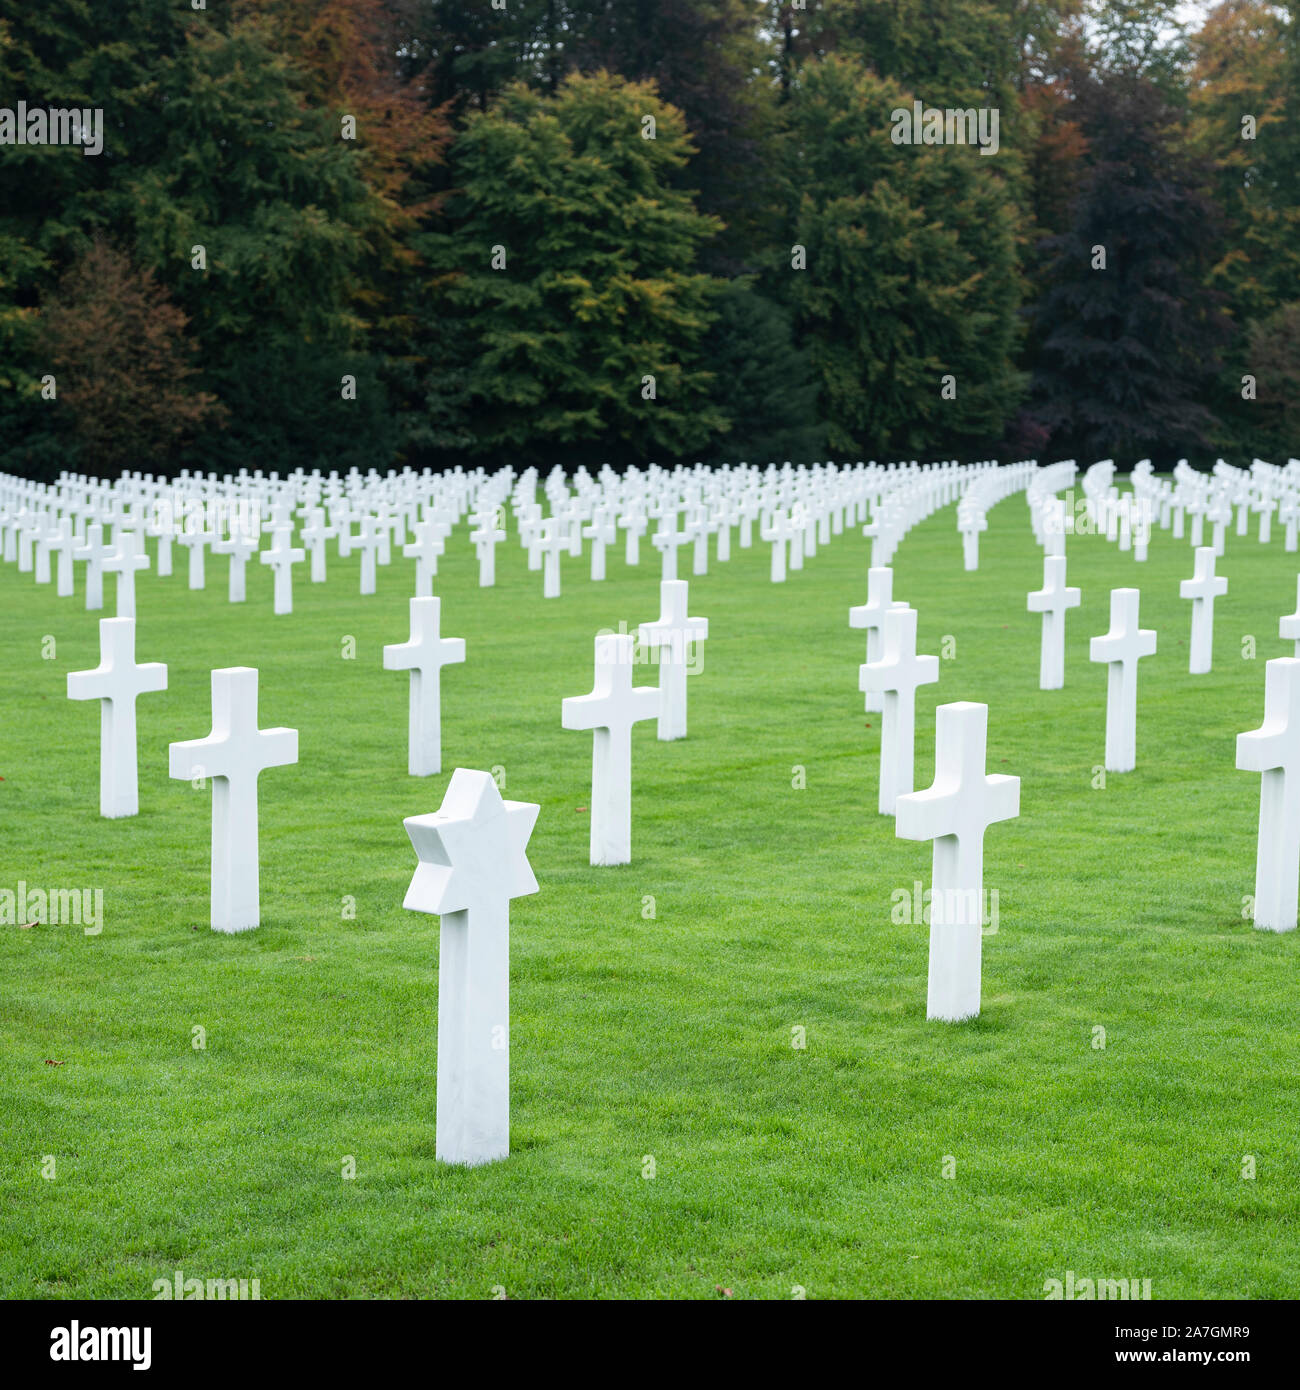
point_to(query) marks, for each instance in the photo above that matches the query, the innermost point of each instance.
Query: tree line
(338, 233)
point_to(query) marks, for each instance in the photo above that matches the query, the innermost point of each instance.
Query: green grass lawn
(774, 1167)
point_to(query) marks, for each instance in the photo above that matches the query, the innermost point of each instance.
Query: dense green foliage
(316, 186)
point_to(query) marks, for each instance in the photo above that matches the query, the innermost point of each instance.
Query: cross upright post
(234, 755)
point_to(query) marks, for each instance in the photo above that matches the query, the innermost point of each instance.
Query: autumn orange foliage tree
(345, 51)
(117, 348)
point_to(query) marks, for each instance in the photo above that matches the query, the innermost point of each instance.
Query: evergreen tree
(910, 274)
(1130, 340)
(762, 383)
(575, 308)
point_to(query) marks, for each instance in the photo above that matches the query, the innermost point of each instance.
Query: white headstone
(1121, 649)
(424, 656)
(673, 636)
(241, 546)
(116, 683)
(880, 597)
(1202, 588)
(955, 812)
(1273, 750)
(126, 557)
(282, 557)
(368, 543)
(601, 533)
(553, 542)
(94, 552)
(473, 861)
(896, 676)
(1289, 626)
(779, 531)
(611, 709)
(634, 523)
(425, 549)
(314, 537)
(63, 546)
(486, 537)
(195, 538)
(233, 755)
(667, 540)
(1053, 600)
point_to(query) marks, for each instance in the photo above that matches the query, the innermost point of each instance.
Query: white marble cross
(486, 537)
(698, 530)
(94, 552)
(955, 812)
(1273, 750)
(314, 537)
(723, 519)
(195, 538)
(880, 597)
(634, 523)
(424, 656)
(553, 542)
(124, 559)
(30, 525)
(1220, 514)
(282, 557)
(116, 683)
(896, 676)
(241, 546)
(611, 709)
(425, 549)
(368, 543)
(667, 540)
(1053, 600)
(48, 532)
(1288, 627)
(779, 530)
(798, 533)
(673, 636)
(1121, 649)
(341, 519)
(473, 862)
(63, 545)
(1202, 588)
(970, 524)
(601, 533)
(233, 755)
(1289, 516)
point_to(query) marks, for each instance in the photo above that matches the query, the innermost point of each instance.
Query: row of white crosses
(227, 517)
(990, 485)
(1195, 500)
(795, 509)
